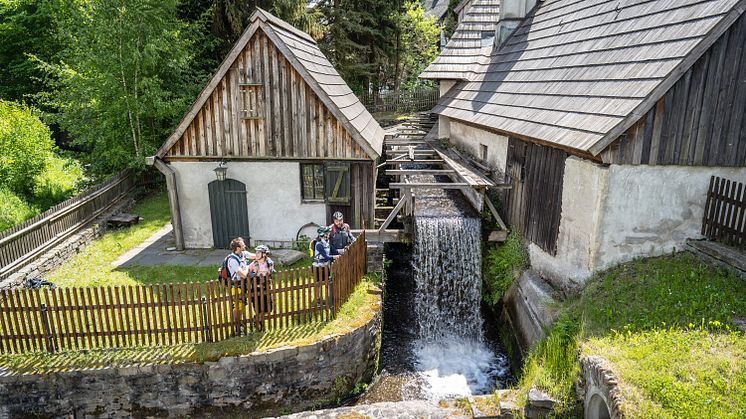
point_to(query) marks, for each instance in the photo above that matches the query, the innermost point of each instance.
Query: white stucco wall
(650, 210)
(584, 189)
(273, 194)
(470, 138)
(443, 121)
(613, 214)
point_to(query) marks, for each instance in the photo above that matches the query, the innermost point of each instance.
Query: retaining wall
(278, 381)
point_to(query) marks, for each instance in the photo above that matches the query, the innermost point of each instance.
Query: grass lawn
(93, 266)
(667, 326)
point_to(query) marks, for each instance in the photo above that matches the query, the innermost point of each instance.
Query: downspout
(173, 198)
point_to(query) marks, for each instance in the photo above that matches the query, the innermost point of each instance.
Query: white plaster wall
(443, 121)
(584, 189)
(273, 194)
(650, 210)
(470, 138)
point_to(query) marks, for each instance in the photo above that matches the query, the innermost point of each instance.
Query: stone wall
(278, 381)
(51, 259)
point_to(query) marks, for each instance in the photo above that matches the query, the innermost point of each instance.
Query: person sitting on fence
(260, 271)
(322, 259)
(340, 236)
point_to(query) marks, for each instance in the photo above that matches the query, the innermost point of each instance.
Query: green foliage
(451, 20)
(122, 80)
(59, 180)
(502, 265)
(667, 326)
(418, 45)
(13, 210)
(25, 147)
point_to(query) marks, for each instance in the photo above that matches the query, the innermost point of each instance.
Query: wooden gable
(262, 108)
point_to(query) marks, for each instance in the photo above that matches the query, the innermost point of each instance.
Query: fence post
(330, 291)
(205, 321)
(47, 331)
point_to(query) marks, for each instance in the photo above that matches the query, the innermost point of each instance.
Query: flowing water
(434, 343)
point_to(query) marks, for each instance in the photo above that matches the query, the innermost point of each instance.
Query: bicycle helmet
(262, 248)
(323, 230)
(338, 216)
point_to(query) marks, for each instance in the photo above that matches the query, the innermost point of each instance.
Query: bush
(13, 210)
(25, 146)
(59, 181)
(503, 264)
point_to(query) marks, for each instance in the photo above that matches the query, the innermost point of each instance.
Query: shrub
(503, 264)
(13, 210)
(59, 181)
(25, 145)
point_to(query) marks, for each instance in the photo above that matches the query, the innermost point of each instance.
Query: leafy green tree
(451, 20)
(25, 146)
(361, 39)
(418, 45)
(27, 28)
(123, 79)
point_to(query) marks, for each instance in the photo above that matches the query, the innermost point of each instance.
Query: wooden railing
(167, 314)
(724, 217)
(401, 101)
(19, 244)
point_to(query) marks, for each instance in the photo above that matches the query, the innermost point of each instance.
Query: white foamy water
(456, 368)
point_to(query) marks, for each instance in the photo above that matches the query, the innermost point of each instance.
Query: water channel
(437, 342)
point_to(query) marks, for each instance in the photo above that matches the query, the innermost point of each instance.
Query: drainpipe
(173, 197)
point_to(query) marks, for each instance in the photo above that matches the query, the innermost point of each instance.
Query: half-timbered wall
(534, 203)
(262, 108)
(701, 120)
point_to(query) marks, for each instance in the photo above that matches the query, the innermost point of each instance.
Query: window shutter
(338, 183)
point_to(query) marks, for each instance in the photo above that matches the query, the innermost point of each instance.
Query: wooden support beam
(419, 171)
(494, 212)
(440, 185)
(433, 161)
(395, 211)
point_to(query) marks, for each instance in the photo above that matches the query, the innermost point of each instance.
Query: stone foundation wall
(278, 381)
(51, 259)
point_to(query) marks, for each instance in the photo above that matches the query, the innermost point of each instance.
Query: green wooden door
(228, 211)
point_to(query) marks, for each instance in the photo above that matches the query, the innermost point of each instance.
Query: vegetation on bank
(34, 175)
(667, 325)
(502, 264)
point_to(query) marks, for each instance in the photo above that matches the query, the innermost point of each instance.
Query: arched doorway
(228, 211)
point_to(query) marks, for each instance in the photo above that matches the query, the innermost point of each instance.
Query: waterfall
(451, 355)
(447, 262)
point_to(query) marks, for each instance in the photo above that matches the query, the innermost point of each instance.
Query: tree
(417, 48)
(120, 84)
(25, 146)
(360, 39)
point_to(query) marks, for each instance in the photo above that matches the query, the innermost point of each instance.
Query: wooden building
(608, 118)
(296, 142)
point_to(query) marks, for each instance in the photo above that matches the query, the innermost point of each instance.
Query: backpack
(312, 247)
(224, 274)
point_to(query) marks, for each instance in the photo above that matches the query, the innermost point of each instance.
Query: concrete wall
(584, 189)
(257, 385)
(613, 214)
(273, 193)
(471, 139)
(650, 210)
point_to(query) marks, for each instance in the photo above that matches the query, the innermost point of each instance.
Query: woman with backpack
(322, 258)
(260, 271)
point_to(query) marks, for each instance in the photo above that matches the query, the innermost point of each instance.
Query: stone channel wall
(278, 381)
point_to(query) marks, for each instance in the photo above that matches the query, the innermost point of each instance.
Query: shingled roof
(577, 74)
(435, 8)
(464, 52)
(303, 53)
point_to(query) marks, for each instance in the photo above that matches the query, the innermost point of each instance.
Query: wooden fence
(167, 314)
(724, 217)
(401, 101)
(19, 244)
